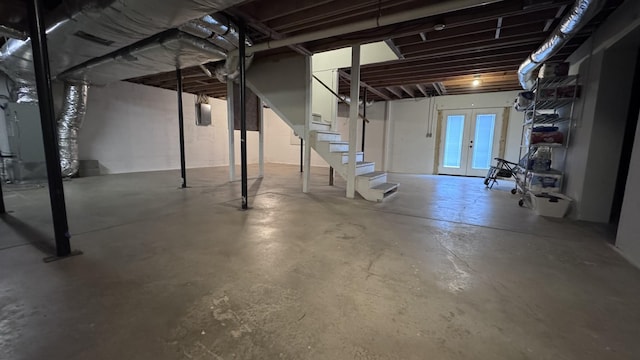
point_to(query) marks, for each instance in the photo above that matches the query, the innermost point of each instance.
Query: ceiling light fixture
(439, 27)
(476, 82)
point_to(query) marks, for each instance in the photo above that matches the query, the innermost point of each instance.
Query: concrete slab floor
(443, 270)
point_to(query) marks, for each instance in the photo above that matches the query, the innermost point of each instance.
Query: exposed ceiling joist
(407, 91)
(347, 77)
(422, 90)
(394, 92)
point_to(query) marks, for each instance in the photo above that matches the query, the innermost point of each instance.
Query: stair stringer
(284, 84)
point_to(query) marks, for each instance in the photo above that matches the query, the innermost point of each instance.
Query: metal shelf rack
(552, 96)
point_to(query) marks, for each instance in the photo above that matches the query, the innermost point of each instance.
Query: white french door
(470, 139)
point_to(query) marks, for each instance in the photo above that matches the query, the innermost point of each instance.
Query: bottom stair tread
(386, 187)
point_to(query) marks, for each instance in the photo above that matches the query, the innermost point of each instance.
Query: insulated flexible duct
(581, 12)
(70, 121)
(222, 32)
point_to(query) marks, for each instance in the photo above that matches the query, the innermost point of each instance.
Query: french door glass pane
(453, 141)
(483, 141)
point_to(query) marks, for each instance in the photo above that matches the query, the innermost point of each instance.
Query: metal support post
(364, 117)
(261, 139)
(183, 166)
(232, 137)
(49, 129)
(353, 120)
(243, 116)
(301, 155)
(2, 208)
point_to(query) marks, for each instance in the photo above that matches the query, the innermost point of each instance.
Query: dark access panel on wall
(253, 107)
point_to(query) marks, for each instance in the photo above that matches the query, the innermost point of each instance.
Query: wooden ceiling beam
(266, 11)
(410, 93)
(422, 89)
(465, 17)
(347, 77)
(439, 68)
(394, 92)
(455, 61)
(325, 15)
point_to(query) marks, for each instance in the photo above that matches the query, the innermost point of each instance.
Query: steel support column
(364, 118)
(243, 115)
(261, 139)
(232, 136)
(301, 155)
(2, 208)
(49, 127)
(353, 120)
(183, 165)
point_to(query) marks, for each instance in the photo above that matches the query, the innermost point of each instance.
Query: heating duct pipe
(581, 12)
(70, 121)
(414, 14)
(216, 29)
(220, 31)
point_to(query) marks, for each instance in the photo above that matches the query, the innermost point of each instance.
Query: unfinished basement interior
(319, 179)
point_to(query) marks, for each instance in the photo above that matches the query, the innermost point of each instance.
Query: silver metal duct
(25, 93)
(70, 121)
(221, 31)
(81, 30)
(85, 31)
(162, 53)
(581, 12)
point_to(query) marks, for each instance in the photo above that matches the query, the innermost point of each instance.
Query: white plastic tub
(551, 204)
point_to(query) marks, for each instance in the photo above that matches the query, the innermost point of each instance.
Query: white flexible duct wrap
(220, 30)
(581, 12)
(69, 122)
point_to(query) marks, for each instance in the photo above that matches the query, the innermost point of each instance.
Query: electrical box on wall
(203, 114)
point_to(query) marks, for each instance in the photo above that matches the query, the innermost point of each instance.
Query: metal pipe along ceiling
(85, 33)
(581, 12)
(414, 14)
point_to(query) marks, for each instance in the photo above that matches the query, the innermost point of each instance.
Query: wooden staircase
(370, 184)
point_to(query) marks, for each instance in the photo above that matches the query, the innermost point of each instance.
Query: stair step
(359, 157)
(364, 167)
(386, 188)
(326, 135)
(338, 146)
(372, 179)
(320, 125)
(373, 175)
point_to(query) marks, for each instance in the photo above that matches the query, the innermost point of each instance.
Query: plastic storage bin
(551, 204)
(548, 181)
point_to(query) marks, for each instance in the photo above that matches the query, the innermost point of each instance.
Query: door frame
(503, 128)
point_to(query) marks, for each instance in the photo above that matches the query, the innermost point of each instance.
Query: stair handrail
(339, 97)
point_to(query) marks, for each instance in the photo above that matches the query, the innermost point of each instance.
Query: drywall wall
(629, 227)
(605, 146)
(280, 145)
(131, 127)
(605, 63)
(325, 103)
(411, 150)
(374, 145)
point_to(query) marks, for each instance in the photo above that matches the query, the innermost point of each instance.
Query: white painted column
(353, 120)
(230, 123)
(306, 176)
(387, 136)
(261, 140)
